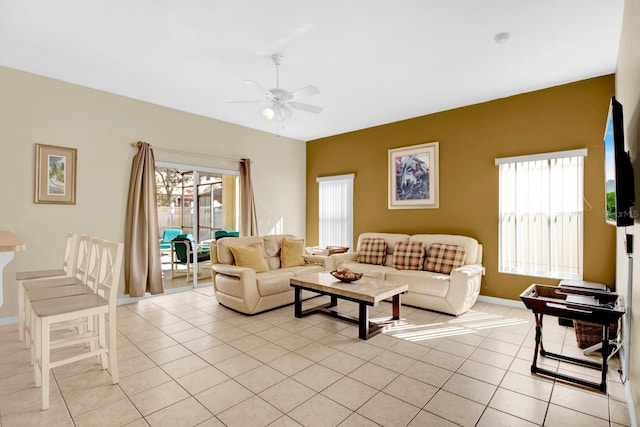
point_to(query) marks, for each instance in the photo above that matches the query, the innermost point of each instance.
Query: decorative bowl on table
(346, 276)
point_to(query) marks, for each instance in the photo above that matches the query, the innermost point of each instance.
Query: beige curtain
(142, 269)
(248, 218)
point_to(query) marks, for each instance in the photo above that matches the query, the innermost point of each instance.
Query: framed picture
(413, 177)
(55, 175)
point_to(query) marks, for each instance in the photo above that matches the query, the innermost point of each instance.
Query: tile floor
(185, 360)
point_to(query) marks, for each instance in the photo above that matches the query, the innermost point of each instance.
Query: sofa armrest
(469, 270)
(234, 270)
(340, 258)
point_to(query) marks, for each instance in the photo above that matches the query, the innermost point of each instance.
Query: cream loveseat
(239, 282)
(452, 293)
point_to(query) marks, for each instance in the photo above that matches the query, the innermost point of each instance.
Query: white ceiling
(374, 61)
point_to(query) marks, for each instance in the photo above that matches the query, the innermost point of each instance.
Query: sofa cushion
(372, 251)
(422, 282)
(442, 258)
(274, 282)
(408, 255)
(291, 253)
(223, 246)
(250, 256)
(369, 270)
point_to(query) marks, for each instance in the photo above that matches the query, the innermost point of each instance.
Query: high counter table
(9, 243)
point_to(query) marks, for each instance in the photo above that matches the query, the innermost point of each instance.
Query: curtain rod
(191, 153)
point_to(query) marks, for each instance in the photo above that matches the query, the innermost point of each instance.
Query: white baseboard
(8, 321)
(501, 301)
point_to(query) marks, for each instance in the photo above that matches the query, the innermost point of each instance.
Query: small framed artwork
(55, 175)
(413, 177)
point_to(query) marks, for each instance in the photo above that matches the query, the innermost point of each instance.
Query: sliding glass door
(197, 202)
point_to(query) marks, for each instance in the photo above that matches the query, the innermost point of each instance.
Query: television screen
(618, 171)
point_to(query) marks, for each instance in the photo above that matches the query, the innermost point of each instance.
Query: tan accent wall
(566, 117)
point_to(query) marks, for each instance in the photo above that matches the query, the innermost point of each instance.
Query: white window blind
(336, 210)
(541, 215)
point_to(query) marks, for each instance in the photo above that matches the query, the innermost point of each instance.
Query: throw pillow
(442, 258)
(249, 256)
(291, 253)
(372, 251)
(408, 255)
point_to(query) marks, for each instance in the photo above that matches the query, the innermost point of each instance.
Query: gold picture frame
(55, 175)
(413, 177)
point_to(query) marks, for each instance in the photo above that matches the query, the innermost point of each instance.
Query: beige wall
(561, 118)
(628, 93)
(102, 126)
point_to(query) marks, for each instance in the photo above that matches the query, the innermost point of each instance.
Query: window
(541, 216)
(215, 199)
(336, 210)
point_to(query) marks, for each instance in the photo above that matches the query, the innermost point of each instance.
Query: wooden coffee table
(366, 292)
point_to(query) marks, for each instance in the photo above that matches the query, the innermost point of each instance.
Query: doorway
(193, 202)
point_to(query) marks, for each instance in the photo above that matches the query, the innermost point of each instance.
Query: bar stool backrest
(70, 254)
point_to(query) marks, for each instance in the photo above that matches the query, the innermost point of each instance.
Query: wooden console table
(9, 244)
(587, 305)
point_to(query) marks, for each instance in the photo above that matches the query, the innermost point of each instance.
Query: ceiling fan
(280, 101)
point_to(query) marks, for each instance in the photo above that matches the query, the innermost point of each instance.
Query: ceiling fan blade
(304, 92)
(255, 84)
(262, 101)
(305, 107)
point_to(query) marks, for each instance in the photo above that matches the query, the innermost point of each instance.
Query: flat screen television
(618, 170)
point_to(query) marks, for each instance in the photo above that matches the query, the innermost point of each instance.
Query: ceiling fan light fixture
(269, 112)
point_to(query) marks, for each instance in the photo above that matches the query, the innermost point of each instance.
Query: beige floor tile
(144, 380)
(316, 351)
(260, 378)
(448, 406)
(456, 348)
(186, 413)
(219, 353)
(134, 365)
(491, 358)
(558, 416)
(357, 420)
(425, 418)
(388, 411)
(203, 343)
(374, 375)
(428, 373)
(470, 388)
(588, 402)
(252, 412)
(184, 366)
(238, 365)
(198, 381)
(267, 352)
(290, 363)
(35, 416)
(363, 350)
(619, 412)
(319, 411)
(317, 377)
(311, 370)
(84, 400)
(442, 359)
(158, 397)
(342, 362)
(482, 372)
(223, 396)
(169, 354)
(519, 405)
(350, 393)
(531, 385)
(287, 394)
(119, 413)
(410, 390)
(494, 418)
(248, 342)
